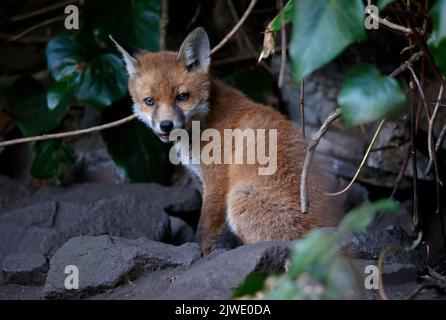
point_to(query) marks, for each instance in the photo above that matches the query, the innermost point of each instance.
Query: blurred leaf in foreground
(321, 31)
(437, 41)
(367, 96)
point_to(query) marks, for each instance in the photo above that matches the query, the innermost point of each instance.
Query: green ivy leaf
(103, 82)
(314, 252)
(383, 3)
(98, 80)
(136, 22)
(28, 101)
(50, 156)
(135, 148)
(360, 218)
(60, 91)
(321, 31)
(251, 285)
(288, 11)
(366, 96)
(437, 40)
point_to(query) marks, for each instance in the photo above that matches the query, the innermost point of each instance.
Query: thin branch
(403, 67)
(43, 10)
(387, 23)
(164, 23)
(401, 173)
(413, 153)
(438, 144)
(420, 90)
(310, 152)
(364, 160)
(283, 45)
(430, 141)
(68, 133)
(36, 27)
(236, 27)
(302, 107)
(248, 42)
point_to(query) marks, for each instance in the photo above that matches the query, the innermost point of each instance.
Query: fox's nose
(166, 125)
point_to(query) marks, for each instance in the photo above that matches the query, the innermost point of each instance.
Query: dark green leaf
(50, 156)
(60, 91)
(314, 252)
(288, 11)
(28, 102)
(254, 83)
(103, 81)
(136, 22)
(135, 148)
(322, 30)
(252, 284)
(383, 3)
(437, 41)
(360, 218)
(98, 80)
(66, 57)
(366, 96)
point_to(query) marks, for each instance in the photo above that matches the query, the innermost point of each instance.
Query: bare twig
(403, 67)
(302, 107)
(388, 24)
(438, 144)
(430, 142)
(164, 23)
(364, 160)
(283, 44)
(35, 27)
(248, 42)
(413, 153)
(401, 173)
(420, 90)
(236, 27)
(43, 10)
(68, 133)
(310, 152)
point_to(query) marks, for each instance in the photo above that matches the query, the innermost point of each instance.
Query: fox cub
(170, 90)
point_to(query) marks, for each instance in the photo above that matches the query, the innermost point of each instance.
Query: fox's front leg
(212, 219)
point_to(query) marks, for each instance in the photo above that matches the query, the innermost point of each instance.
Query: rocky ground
(129, 241)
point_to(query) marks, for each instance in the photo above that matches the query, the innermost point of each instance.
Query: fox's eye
(149, 101)
(183, 96)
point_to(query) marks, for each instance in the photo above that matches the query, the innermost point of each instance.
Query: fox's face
(169, 89)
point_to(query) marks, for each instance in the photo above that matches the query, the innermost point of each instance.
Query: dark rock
(181, 232)
(175, 200)
(403, 218)
(25, 268)
(96, 166)
(15, 239)
(11, 191)
(104, 262)
(369, 245)
(19, 292)
(217, 278)
(121, 216)
(44, 227)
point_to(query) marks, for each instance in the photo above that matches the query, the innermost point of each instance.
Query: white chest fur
(192, 165)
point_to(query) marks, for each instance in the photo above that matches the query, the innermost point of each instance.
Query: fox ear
(195, 52)
(129, 54)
